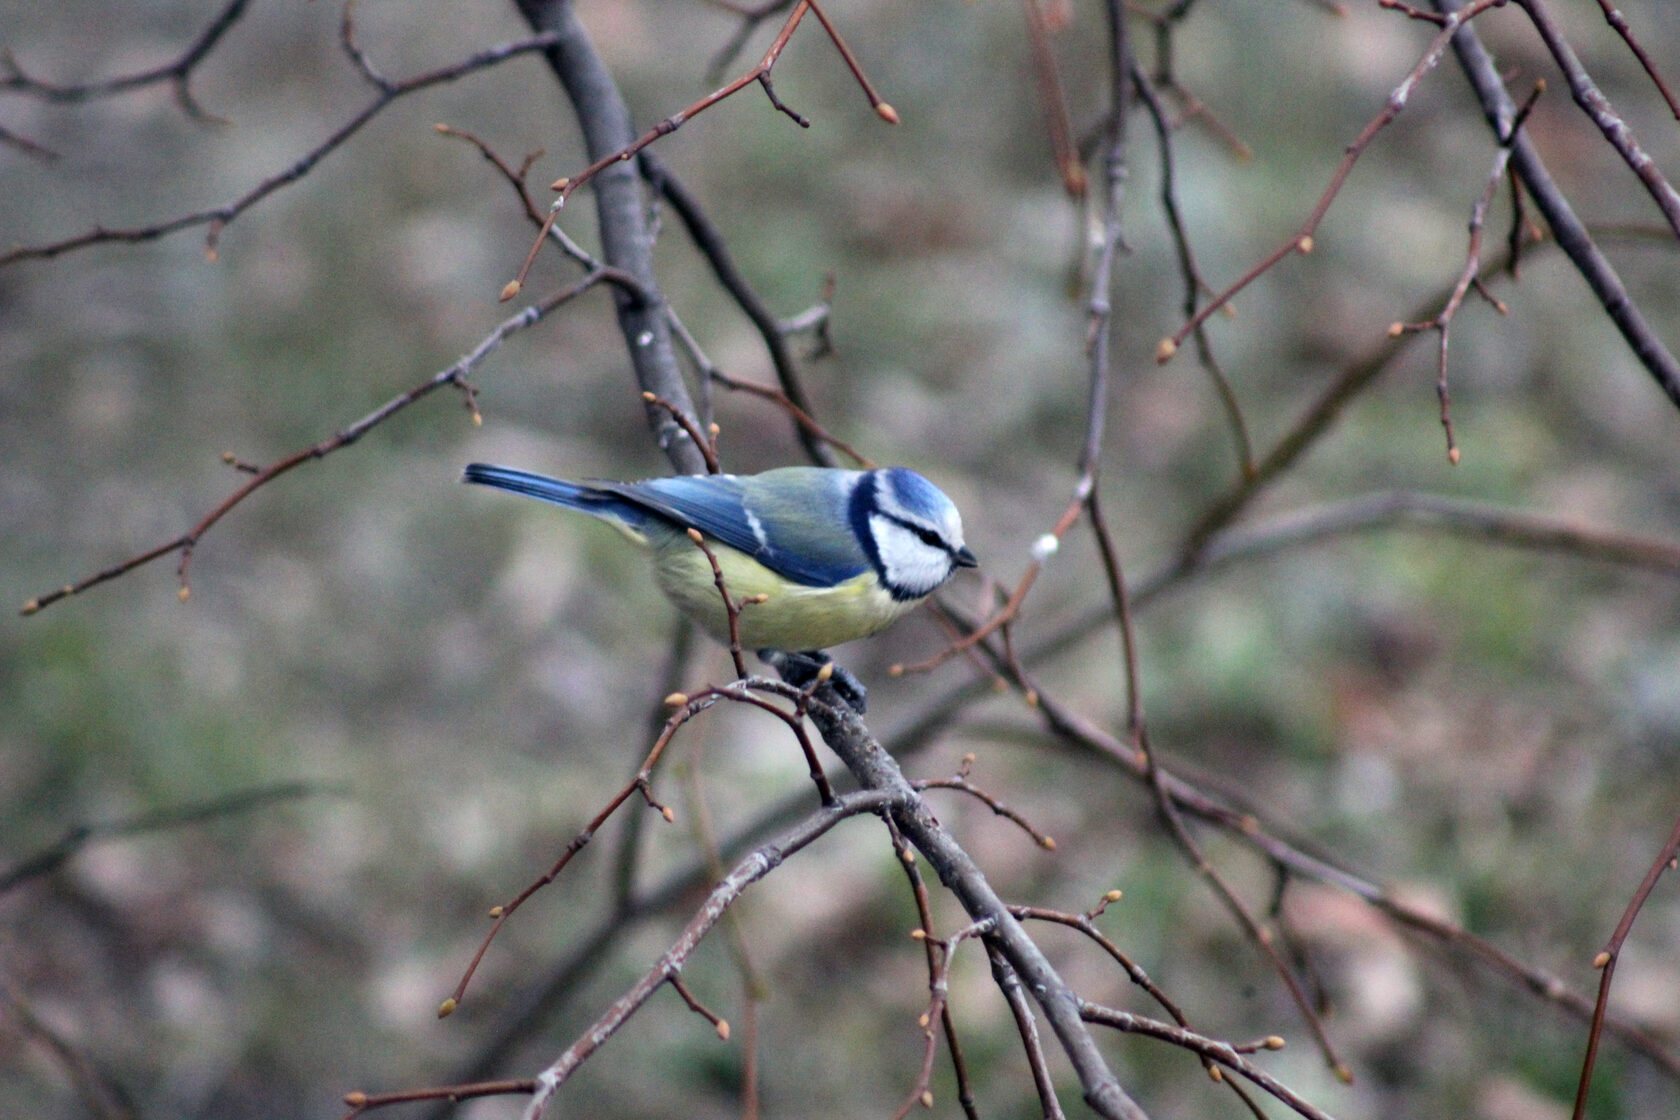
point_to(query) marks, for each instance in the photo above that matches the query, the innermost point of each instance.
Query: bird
(834, 554)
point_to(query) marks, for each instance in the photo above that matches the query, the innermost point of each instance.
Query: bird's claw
(802, 670)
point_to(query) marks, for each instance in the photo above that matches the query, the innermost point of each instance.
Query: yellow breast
(793, 617)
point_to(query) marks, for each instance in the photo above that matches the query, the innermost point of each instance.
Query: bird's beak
(965, 558)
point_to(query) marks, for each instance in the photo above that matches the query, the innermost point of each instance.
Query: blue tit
(836, 554)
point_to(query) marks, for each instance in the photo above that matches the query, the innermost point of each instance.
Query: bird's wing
(812, 544)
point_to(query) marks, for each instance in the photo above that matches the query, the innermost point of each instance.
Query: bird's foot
(802, 670)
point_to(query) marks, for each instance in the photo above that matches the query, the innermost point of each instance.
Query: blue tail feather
(555, 490)
(572, 495)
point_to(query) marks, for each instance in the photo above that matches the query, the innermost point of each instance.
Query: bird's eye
(930, 538)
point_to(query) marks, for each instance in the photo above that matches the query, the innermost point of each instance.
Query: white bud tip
(1045, 547)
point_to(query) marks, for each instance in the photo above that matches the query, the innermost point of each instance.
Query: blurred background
(440, 685)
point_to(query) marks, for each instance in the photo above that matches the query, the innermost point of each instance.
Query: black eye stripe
(921, 532)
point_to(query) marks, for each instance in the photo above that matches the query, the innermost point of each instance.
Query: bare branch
(626, 238)
(1009, 982)
(1571, 233)
(938, 953)
(1194, 284)
(1605, 962)
(54, 856)
(103, 1098)
(961, 783)
(218, 218)
(1224, 1053)
(178, 73)
(31, 148)
(1062, 147)
(759, 863)
(1614, 17)
(1442, 323)
(1592, 101)
(843, 730)
(709, 240)
(760, 73)
(1302, 240)
(455, 375)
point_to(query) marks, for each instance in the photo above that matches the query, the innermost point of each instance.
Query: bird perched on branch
(816, 556)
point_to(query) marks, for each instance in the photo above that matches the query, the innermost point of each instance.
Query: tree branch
(1572, 235)
(845, 733)
(626, 236)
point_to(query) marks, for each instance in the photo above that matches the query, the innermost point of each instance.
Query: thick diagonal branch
(874, 768)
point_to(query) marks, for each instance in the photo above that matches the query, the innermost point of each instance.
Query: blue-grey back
(796, 521)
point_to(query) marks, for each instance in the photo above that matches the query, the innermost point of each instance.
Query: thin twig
(1442, 323)
(732, 606)
(1592, 101)
(938, 963)
(101, 1096)
(755, 866)
(74, 840)
(810, 430)
(760, 73)
(567, 184)
(1194, 284)
(32, 148)
(1227, 1055)
(1615, 19)
(1572, 235)
(709, 240)
(1009, 983)
(178, 72)
(455, 375)
(361, 1102)
(687, 708)
(705, 441)
(961, 783)
(1045, 547)
(719, 1024)
(1302, 240)
(220, 217)
(626, 858)
(1062, 148)
(941, 952)
(1606, 960)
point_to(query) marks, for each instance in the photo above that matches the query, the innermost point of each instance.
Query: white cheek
(909, 564)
